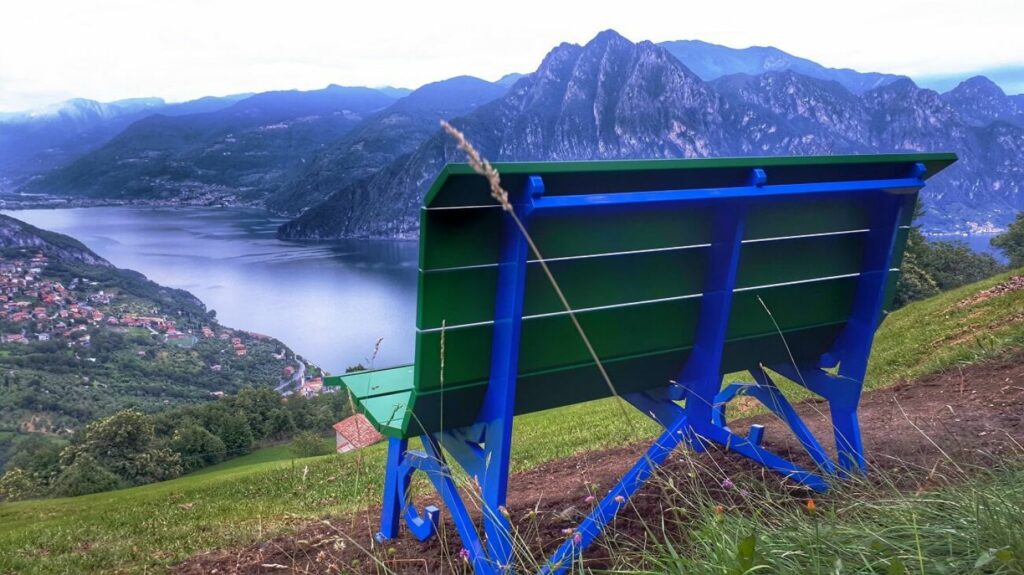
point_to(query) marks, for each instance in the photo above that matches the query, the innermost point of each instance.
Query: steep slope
(711, 61)
(380, 139)
(32, 143)
(615, 99)
(18, 234)
(238, 153)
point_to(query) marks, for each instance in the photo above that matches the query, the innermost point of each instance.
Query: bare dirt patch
(1015, 283)
(917, 434)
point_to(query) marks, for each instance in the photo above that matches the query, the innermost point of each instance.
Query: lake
(328, 302)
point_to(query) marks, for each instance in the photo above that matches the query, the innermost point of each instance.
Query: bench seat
(383, 395)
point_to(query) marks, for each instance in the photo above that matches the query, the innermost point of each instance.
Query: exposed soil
(1015, 283)
(918, 435)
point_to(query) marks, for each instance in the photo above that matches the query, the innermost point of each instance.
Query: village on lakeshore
(35, 307)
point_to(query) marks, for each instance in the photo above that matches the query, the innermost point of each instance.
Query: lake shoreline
(304, 294)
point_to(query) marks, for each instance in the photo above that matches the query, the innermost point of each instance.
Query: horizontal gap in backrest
(466, 296)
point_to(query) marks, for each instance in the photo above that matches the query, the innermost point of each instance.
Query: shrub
(197, 447)
(19, 484)
(309, 444)
(1011, 242)
(85, 475)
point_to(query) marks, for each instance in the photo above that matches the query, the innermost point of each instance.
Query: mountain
(16, 234)
(34, 142)
(979, 101)
(711, 61)
(380, 139)
(239, 152)
(80, 338)
(393, 91)
(615, 99)
(509, 79)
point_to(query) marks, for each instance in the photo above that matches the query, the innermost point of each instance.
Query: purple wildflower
(464, 554)
(728, 484)
(577, 538)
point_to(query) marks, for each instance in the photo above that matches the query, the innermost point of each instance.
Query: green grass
(149, 528)
(967, 527)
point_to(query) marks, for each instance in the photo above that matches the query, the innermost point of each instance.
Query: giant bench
(678, 271)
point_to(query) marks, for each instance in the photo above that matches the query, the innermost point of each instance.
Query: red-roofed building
(355, 432)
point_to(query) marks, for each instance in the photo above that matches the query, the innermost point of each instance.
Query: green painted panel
(802, 216)
(463, 237)
(388, 413)
(456, 295)
(377, 382)
(470, 237)
(799, 259)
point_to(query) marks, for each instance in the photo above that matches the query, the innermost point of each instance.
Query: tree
(1011, 242)
(280, 425)
(19, 484)
(953, 264)
(36, 454)
(233, 430)
(125, 444)
(85, 475)
(930, 267)
(197, 447)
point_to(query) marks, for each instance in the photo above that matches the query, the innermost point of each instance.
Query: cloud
(113, 49)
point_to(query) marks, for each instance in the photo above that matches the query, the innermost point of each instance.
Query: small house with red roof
(355, 432)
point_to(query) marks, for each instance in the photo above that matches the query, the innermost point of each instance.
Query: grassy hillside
(150, 528)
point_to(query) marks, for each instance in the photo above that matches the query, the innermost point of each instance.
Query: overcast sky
(51, 50)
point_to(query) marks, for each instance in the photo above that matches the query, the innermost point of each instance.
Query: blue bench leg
(843, 395)
(848, 439)
(392, 504)
(771, 396)
(433, 464)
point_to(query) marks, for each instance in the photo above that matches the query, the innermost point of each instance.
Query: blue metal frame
(483, 449)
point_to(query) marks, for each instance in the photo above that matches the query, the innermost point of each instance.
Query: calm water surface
(328, 302)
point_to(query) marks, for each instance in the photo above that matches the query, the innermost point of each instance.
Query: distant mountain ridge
(381, 138)
(32, 143)
(352, 162)
(712, 61)
(615, 99)
(235, 153)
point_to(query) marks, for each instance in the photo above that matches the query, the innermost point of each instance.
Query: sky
(51, 50)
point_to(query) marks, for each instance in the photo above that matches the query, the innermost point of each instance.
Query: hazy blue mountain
(237, 153)
(34, 142)
(615, 99)
(380, 139)
(393, 91)
(509, 79)
(980, 102)
(711, 61)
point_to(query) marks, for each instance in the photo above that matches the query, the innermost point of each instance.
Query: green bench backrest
(635, 277)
